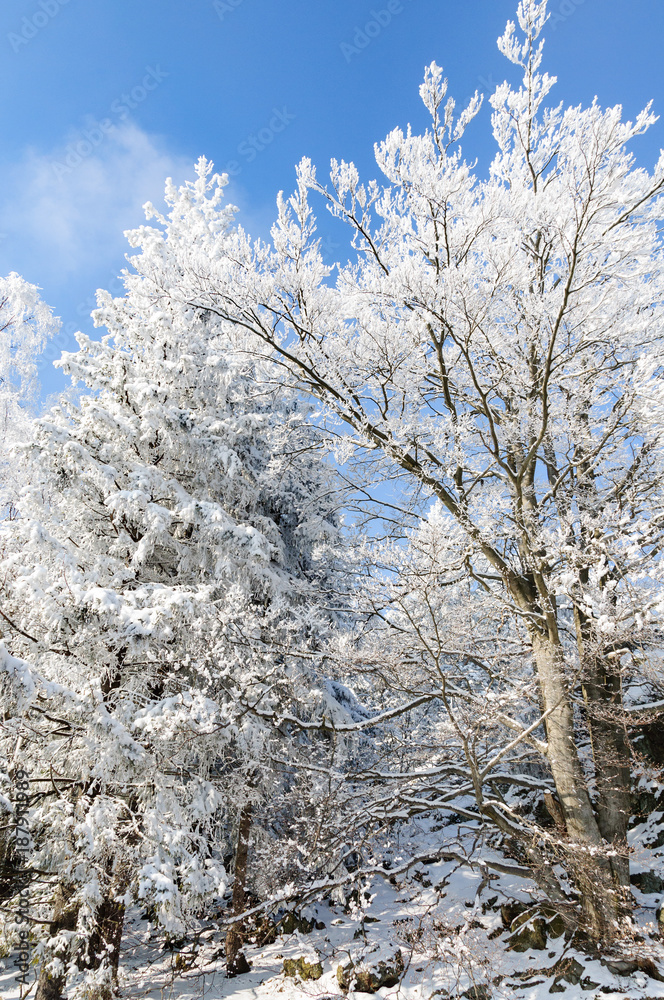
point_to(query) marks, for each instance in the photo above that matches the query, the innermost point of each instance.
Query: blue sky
(147, 86)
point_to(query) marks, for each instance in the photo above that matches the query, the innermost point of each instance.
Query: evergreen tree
(172, 547)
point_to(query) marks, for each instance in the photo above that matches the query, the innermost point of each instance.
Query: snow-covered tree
(26, 323)
(496, 348)
(165, 591)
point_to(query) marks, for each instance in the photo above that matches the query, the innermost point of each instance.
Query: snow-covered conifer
(172, 550)
(26, 323)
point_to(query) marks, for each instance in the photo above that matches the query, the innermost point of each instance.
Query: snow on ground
(444, 920)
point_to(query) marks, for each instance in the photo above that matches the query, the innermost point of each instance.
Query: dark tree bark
(65, 915)
(234, 963)
(104, 944)
(602, 691)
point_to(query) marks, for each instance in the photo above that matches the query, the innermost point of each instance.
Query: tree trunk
(602, 691)
(104, 944)
(65, 915)
(591, 871)
(562, 754)
(234, 934)
(610, 748)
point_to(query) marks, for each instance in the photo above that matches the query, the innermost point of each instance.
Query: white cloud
(65, 211)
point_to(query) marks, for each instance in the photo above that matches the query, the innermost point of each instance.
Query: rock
(302, 969)
(527, 932)
(478, 993)
(626, 967)
(647, 882)
(620, 967)
(568, 971)
(292, 922)
(555, 927)
(648, 801)
(369, 980)
(239, 967)
(510, 911)
(650, 740)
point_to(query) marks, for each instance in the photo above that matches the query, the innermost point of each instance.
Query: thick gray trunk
(592, 871)
(610, 748)
(563, 757)
(602, 690)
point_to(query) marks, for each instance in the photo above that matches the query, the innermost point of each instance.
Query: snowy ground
(445, 921)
